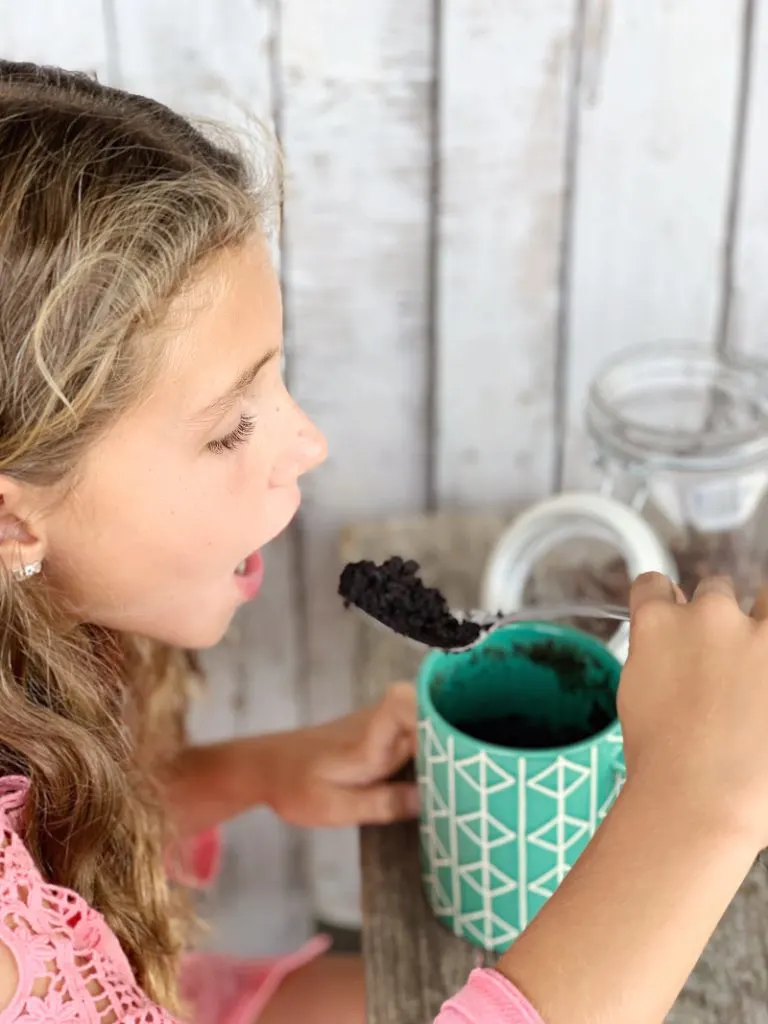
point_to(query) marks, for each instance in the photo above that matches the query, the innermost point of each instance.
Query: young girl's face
(184, 490)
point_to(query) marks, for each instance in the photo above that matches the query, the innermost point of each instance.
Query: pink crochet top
(71, 967)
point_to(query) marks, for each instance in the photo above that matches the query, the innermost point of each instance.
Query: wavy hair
(110, 204)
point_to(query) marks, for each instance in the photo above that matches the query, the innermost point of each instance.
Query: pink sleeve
(488, 998)
(71, 968)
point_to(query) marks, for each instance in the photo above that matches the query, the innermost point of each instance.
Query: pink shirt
(488, 998)
(63, 948)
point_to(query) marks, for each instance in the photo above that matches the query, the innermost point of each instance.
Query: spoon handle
(546, 612)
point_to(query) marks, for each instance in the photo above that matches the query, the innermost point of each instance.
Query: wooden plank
(749, 305)
(70, 35)
(412, 963)
(657, 113)
(197, 62)
(504, 100)
(221, 70)
(355, 128)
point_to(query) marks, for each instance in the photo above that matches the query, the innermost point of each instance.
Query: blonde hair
(109, 205)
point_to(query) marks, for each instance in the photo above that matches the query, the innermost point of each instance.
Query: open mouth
(250, 573)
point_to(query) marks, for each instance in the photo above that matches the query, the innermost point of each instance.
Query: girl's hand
(339, 773)
(693, 700)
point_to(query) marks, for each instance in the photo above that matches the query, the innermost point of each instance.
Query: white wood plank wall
(484, 201)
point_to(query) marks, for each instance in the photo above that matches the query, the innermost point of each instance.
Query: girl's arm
(630, 922)
(622, 933)
(327, 775)
(208, 785)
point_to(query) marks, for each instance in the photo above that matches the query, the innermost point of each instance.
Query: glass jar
(682, 436)
(680, 440)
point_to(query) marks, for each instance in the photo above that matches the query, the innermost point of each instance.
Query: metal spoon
(490, 622)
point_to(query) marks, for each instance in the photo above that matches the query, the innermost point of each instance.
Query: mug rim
(425, 701)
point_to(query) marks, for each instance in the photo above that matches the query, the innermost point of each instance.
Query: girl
(148, 449)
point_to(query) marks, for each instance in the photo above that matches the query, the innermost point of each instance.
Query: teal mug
(520, 758)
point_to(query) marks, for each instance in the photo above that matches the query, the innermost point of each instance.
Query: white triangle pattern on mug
(558, 782)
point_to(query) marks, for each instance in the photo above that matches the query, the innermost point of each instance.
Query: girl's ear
(21, 550)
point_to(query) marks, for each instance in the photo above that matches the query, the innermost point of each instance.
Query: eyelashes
(235, 438)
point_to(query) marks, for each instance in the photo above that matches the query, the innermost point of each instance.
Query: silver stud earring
(24, 572)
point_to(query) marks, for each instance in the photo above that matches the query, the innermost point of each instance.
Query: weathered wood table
(412, 963)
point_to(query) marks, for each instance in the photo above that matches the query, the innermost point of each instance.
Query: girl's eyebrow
(224, 402)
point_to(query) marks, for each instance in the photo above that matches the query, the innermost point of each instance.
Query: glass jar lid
(680, 407)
